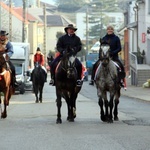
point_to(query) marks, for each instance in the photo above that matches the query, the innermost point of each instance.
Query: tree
(69, 6)
(98, 20)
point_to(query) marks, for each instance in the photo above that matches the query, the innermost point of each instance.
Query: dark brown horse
(5, 83)
(66, 77)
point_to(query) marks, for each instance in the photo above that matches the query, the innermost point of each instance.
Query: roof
(36, 12)
(14, 13)
(56, 20)
(19, 11)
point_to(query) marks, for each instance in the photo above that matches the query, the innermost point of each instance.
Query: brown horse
(5, 83)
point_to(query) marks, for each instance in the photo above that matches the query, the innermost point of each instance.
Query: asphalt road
(31, 126)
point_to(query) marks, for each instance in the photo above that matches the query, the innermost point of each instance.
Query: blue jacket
(9, 48)
(115, 44)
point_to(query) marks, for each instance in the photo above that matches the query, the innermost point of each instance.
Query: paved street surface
(31, 126)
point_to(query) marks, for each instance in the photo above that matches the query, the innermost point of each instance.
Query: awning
(132, 25)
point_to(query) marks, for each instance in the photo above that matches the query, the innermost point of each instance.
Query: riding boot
(45, 77)
(31, 78)
(52, 81)
(92, 77)
(79, 81)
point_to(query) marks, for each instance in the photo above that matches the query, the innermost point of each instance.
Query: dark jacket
(72, 41)
(115, 45)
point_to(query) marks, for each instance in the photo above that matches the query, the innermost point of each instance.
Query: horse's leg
(72, 101)
(59, 104)
(68, 107)
(100, 102)
(110, 119)
(40, 93)
(116, 106)
(74, 105)
(36, 94)
(4, 113)
(106, 106)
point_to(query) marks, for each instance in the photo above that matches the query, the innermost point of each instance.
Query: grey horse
(107, 81)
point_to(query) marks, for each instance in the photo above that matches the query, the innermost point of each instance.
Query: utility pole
(0, 16)
(87, 32)
(10, 20)
(44, 39)
(24, 19)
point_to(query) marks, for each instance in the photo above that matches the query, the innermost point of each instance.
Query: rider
(72, 40)
(115, 48)
(39, 57)
(6, 45)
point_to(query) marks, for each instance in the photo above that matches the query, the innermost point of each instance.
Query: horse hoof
(104, 119)
(3, 115)
(71, 120)
(116, 119)
(58, 121)
(110, 121)
(36, 101)
(68, 118)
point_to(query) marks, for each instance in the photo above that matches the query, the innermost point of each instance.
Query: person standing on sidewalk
(115, 48)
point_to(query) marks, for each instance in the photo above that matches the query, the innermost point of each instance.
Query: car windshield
(18, 69)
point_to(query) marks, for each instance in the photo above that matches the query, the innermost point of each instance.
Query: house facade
(139, 40)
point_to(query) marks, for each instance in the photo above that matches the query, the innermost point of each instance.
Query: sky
(49, 1)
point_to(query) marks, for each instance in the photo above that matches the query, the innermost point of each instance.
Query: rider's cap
(3, 33)
(38, 49)
(70, 26)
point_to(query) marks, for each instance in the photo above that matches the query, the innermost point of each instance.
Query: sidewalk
(136, 92)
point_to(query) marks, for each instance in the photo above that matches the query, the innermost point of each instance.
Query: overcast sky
(49, 1)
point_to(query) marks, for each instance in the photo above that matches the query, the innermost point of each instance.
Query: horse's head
(68, 63)
(104, 52)
(37, 65)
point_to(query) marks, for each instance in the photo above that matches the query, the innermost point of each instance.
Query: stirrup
(79, 83)
(51, 82)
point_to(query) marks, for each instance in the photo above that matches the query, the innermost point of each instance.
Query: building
(137, 26)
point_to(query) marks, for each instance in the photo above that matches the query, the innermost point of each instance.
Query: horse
(66, 77)
(38, 80)
(107, 80)
(5, 84)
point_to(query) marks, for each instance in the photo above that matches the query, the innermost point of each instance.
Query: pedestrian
(115, 48)
(72, 40)
(5, 45)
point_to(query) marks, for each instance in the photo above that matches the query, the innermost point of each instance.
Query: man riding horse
(70, 39)
(5, 45)
(39, 57)
(115, 48)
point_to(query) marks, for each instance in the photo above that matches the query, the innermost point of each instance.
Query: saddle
(121, 73)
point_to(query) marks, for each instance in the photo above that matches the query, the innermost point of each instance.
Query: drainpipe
(136, 9)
